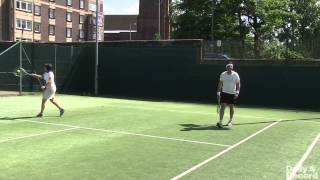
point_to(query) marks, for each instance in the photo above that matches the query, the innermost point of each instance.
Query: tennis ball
(18, 71)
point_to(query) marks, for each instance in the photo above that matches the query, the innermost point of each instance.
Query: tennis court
(108, 138)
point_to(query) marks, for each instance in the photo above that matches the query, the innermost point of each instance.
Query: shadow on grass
(22, 117)
(15, 118)
(191, 127)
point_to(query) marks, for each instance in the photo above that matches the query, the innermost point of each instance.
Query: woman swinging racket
(49, 89)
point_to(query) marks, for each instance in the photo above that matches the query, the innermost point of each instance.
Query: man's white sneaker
(229, 124)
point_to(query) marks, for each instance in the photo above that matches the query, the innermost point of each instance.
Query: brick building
(147, 22)
(119, 27)
(50, 20)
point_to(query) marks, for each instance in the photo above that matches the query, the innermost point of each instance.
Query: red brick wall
(61, 24)
(75, 26)
(148, 19)
(44, 23)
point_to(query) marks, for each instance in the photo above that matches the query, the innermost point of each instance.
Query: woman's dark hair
(48, 67)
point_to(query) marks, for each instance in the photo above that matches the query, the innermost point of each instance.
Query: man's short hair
(48, 67)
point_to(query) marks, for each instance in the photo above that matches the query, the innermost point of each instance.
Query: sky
(121, 7)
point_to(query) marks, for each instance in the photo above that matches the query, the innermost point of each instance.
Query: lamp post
(131, 30)
(159, 20)
(212, 24)
(20, 58)
(96, 77)
(214, 2)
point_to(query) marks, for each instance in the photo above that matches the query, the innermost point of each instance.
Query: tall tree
(193, 19)
(287, 23)
(264, 18)
(302, 28)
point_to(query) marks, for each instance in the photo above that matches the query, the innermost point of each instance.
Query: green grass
(130, 139)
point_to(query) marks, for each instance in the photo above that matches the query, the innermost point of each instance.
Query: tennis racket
(218, 105)
(20, 72)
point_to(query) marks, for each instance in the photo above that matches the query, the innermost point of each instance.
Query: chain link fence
(268, 50)
(32, 57)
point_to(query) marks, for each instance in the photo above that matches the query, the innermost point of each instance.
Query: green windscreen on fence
(9, 61)
(170, 70)
(32, 57)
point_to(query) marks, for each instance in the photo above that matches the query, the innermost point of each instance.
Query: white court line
(34, 135)
(304, 157)
(191, 112)
(222, 152)
(129, 133)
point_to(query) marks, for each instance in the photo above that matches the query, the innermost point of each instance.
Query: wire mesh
(33, 57)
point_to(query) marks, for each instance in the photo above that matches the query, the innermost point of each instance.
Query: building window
(81, 4)
(100, 21)
(24, 6)
(52, 30)
(92, 20)
(37, 27)
(101, 8)
(81, 34)
(29, 7)
(69, 16)
(100, 37)
(37, 10)
(69, 2)
(52, 13)
(18, 4)
(92, 7)
(81, 19)
(68, 32)
(24, 24)
(23, 39)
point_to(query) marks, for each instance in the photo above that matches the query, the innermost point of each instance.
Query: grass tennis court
(106, 138)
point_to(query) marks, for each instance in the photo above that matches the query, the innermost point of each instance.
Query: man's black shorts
(227, 98)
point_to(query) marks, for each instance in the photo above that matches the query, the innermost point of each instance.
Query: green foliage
(287, 22)
(193, 19)
(278, 51)
(274, 50)
(157, 36)
(294, 55)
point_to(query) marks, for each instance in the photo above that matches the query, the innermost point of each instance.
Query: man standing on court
(228, 92)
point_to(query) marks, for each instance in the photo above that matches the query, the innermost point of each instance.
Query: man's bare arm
(219, 86)
(238, 85)
(36, 76)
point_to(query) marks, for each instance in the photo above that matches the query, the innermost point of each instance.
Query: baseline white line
(129, 133)
(46, 133)
(304, 157)
(222, 152)
(191, 112)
